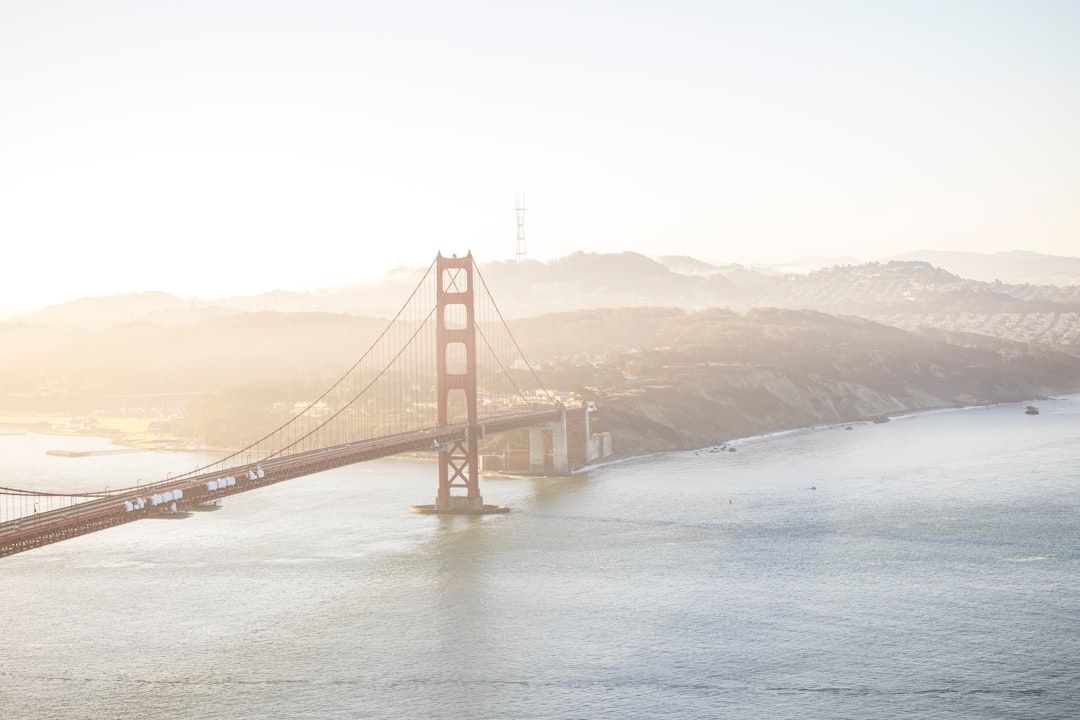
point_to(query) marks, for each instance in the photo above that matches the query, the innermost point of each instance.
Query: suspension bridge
(445, 374)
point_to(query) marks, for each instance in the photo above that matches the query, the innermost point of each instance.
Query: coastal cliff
(710, 377)
(691, 412)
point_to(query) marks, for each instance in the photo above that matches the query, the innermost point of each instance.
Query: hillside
(667, 379)
(662, 378)
(135, 365)
(677, 353)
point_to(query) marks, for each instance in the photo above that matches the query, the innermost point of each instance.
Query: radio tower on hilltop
(519, 201)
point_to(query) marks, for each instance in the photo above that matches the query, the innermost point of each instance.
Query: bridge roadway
(108, 511)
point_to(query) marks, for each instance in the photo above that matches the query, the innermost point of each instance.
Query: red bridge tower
(455, 343)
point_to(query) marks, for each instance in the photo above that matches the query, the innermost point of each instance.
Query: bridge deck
(124, 506)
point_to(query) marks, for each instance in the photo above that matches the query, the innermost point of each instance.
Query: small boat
(1031, 410)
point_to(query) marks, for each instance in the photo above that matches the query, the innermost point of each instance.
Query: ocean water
(928, 567)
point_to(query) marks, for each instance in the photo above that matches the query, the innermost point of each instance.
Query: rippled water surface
(923, 568)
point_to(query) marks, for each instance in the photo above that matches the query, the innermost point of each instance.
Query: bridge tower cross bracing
(455, 337)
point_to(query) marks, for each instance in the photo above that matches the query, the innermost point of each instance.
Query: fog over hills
(583, 280)
(903, 293)
(678, 352)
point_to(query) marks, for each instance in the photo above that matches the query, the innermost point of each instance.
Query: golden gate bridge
(445, 373)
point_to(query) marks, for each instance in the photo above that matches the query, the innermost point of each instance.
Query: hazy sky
(215, 148)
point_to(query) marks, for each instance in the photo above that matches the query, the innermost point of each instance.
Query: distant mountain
(915, 294)
(686, 265)
(1016, 267)
(817, 262)
(588, 280)
(379, 298)
(905, 293)
(577, 281)
(155, 307)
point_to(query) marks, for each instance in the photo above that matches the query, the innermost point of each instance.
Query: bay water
(928, 567)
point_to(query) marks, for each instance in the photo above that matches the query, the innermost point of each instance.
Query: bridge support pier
(549, 448)
(564, 446)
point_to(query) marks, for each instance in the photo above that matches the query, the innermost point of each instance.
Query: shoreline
(116, 436)
(43, 426)
(909, 415)
(912, 414)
